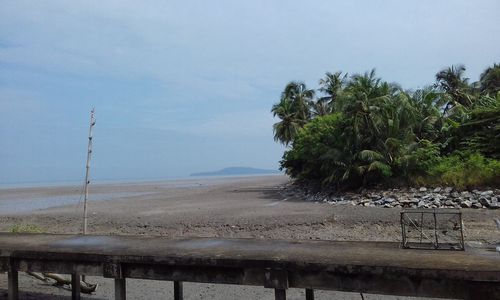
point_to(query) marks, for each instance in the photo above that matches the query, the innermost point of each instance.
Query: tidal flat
(240, 207)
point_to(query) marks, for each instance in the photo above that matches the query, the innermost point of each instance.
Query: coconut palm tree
(286, 129)
(490, 80)
(428, 121)
(294, 111)
(452, 82)
(362, 101)
(367, 84)
(332, 86)
(321, 108)
(301, 99)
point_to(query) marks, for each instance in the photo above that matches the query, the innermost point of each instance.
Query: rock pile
(405, 198)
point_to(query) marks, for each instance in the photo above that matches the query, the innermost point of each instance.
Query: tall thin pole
(87, 169)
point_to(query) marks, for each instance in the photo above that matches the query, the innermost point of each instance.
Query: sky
(187, 86)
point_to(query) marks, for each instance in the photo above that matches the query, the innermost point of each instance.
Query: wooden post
(178, 291)
(75, 286)
(13, 284)
(279, 294)
(120, 290)
(87, 180)
(87, 169)
(309, 294)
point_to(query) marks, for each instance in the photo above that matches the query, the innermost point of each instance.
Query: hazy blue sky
(186, 86)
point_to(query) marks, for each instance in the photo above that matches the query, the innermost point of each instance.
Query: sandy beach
(245, 207)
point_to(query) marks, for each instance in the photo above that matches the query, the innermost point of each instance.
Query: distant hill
(237, 171)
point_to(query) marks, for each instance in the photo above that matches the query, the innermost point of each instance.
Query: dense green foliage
(362, 130)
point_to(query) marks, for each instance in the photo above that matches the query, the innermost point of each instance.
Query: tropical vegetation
(359, 130)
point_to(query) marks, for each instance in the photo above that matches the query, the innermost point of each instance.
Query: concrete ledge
(369, 267)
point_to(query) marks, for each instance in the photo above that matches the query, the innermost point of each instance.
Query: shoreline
(78, 183)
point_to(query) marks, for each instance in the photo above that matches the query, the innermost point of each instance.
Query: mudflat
(245, 207)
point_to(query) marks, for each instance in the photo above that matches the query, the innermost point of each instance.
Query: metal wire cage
(432, 229)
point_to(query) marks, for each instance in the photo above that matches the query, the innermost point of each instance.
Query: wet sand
(220, 207)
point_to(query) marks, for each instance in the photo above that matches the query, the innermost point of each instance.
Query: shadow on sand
(267, 193)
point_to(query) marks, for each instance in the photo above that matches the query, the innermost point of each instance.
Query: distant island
(237, 171)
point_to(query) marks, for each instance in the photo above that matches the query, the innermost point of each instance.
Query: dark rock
(485, 202)
(389, 200)
(439, 197)
(466, 204)
(422, 204)
(465, 194)
(427, 196)
(486, 193)
(476, 205)
(449, 202)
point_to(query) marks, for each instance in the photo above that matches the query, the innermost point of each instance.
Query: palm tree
(321, 108)
(286, 129)
(301, 99)
(294, 111)
(490, 80)
(481, 132)
(452, 82)
(332, 86)
(367, 84)
(427, 119)
(362, 101)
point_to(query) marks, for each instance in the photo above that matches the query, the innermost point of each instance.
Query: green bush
(312, 148)
(26, 228)
(418, 159)
(465, 170)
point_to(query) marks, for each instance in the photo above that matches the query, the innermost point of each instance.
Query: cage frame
(431, 245)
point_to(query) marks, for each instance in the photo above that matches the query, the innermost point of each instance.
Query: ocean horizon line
(71, 182)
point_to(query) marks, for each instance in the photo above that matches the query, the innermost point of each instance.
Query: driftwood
(37, 276)
(60, 281)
